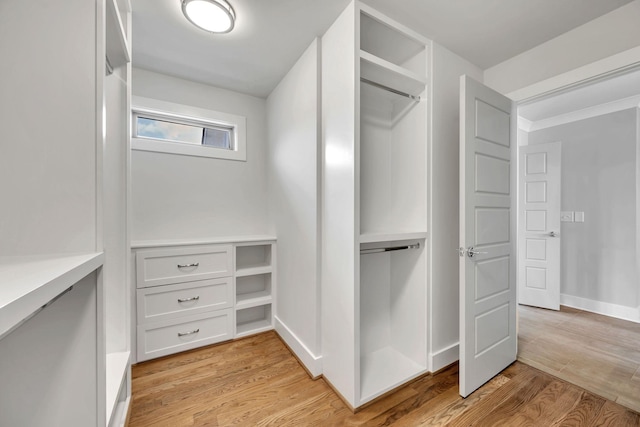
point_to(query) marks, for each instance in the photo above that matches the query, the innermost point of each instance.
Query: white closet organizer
(379, 341)
(196, 293)
(254, 290)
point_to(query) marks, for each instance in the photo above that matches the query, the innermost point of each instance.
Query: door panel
(487, 233)
(539, 209)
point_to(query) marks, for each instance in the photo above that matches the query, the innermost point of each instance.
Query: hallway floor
(598, 353)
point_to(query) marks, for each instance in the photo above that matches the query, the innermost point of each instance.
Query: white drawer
(171, 336)
(176, 265)
(172, 301)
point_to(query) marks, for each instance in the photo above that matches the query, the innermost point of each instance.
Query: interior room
(319, 213)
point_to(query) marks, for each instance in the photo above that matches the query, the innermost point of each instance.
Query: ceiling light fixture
(215, 16)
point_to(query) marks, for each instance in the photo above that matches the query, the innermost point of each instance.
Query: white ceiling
(271, 34)
(620, 87)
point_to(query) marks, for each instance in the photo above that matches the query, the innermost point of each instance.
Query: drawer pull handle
(195, 264)
(184, 334)
(196, 298)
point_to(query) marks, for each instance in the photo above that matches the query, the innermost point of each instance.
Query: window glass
(165, 130)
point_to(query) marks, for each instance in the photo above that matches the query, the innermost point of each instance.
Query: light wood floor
(598, 353)
(257, 382)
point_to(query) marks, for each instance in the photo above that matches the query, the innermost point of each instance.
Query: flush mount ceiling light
(215, 16)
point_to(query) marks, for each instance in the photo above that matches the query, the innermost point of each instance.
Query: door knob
(471, 252)
(553, 234)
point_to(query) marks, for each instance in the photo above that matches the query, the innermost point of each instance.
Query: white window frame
(187, 114)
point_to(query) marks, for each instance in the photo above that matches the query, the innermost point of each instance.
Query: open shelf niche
(254, 290)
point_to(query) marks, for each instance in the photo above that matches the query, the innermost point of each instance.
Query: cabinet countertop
(143, 244)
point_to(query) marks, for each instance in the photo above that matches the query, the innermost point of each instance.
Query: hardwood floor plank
(257, 382)
(585, 413)
(613, 415)
(598, 353)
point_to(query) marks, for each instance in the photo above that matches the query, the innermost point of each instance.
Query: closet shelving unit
(376, 118)
(254, 292)
(115, 160)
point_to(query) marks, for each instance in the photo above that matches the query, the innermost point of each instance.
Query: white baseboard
(614, 310)
(312, 363)
(444, 357)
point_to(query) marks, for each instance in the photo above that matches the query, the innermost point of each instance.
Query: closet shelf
(391, 75)
(382, 236)
(253, 299)
(253, 271)
(29, 283)
(117, 46)
(117, 367)
(385, 369)
(254, 327)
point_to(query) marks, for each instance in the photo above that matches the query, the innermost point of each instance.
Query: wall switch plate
(579, 217)
(566, 216)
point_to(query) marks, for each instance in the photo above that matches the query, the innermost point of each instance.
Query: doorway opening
(595, 229)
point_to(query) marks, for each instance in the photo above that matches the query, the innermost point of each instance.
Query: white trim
(595, 70)
(444, 357)
(586, 113)
(312, 362)
(180, 111)
(524, 124)
(613, 310)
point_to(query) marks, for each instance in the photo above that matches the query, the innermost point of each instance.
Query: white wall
(599, 258)
(48, 127)
(294, 196)
(603, 37)
(177, 197)
(444, 229)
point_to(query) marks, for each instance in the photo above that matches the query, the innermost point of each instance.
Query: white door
(488, 340)
(539, 225)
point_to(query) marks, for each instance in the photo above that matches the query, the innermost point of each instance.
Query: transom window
(174, 131)
(179, 129)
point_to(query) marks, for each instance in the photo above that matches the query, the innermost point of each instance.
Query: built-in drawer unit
(173, 335)
(182, 264)
(172, 301)
(191, 294)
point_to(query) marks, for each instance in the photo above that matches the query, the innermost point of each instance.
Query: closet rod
(390, 249)
(390, 89)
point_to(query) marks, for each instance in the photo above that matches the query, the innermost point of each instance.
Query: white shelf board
(28, 283)
(143, 244)
(383, 370)
(117, 46)
(253, 271)
(383, 236)
(391, 75)
(254, 327)
(253, 299)
(117, 367)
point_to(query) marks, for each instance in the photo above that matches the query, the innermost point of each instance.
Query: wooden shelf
(391, 75)
(117, 47)
(29, 283)
(382, 236)
(384, 370)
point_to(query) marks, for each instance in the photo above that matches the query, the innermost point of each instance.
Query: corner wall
(179, 197)
(444, 227)
(294, 200)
